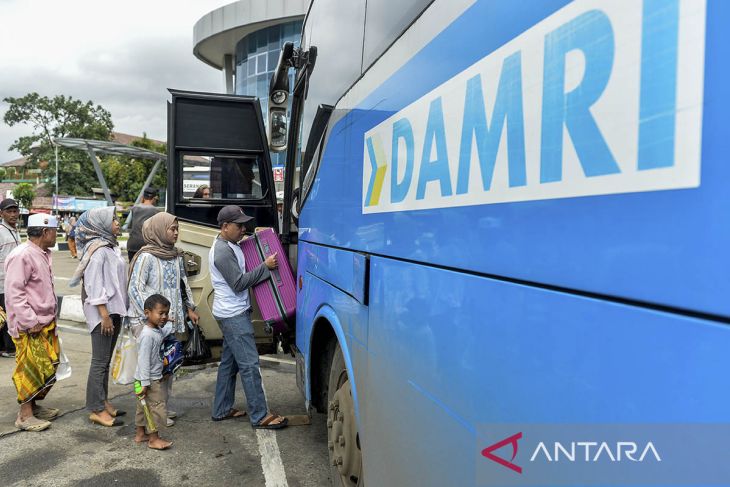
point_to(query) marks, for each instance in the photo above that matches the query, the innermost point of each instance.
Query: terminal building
(243, 40)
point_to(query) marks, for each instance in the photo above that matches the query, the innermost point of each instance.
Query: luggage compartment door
(217, 155)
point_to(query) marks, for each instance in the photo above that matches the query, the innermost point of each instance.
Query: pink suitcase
(276, 297)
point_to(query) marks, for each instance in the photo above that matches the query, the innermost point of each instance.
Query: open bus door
(217, 155)
(283, 136)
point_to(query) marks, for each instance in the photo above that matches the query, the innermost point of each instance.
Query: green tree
(125, 176)
(24, 193)
(51, 118)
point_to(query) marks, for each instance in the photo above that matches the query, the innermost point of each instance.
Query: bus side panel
(666, 247)
(455, 351)
(318, 299)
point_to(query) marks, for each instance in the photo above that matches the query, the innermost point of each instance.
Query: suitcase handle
(267, 252)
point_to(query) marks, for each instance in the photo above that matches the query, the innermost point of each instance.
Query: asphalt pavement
(74, 452)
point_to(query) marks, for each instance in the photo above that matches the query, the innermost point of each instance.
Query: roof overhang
(107, 147)
(217, 33)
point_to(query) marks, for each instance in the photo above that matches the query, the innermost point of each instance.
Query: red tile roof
(127, 139)
(20, 162)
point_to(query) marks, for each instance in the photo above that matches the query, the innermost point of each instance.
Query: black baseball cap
(232, 214)
(150, 192)
(8, 203)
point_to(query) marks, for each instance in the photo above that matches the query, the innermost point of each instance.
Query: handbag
(124, 360)
(196, 348)
(172, 355)
(64, 366)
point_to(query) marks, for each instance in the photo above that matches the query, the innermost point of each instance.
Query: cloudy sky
(122, 55)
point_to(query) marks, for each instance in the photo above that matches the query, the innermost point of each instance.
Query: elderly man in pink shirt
(31, 308)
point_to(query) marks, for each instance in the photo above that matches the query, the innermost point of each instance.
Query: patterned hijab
(93, 231)
(156, 240)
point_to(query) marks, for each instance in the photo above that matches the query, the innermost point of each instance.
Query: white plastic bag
(64, 367)
(124, 360)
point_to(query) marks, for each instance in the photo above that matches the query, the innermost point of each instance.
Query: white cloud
(121, 55)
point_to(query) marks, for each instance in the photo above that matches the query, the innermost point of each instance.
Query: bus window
(384, 24)
(319, 124)
(228, 178)
(313, 152)
(196, 175)
(330, 27)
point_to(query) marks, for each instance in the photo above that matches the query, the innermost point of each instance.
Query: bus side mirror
(277, 129)
(278, 100)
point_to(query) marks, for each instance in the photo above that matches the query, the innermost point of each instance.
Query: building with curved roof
(243, 40)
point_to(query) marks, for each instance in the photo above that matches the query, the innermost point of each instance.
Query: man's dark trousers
(6, 341)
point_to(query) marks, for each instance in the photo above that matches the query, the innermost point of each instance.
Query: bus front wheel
(342, 436)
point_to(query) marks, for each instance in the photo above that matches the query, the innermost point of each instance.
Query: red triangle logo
(512, 440)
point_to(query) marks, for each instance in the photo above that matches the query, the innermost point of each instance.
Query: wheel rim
(343, 442)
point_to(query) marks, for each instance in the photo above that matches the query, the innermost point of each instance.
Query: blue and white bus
(509, 213)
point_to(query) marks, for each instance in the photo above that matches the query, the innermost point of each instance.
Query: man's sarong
(36, 361)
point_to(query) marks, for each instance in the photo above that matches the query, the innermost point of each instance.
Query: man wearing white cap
(30, 300)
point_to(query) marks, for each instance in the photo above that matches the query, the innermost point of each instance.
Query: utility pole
(56, 198)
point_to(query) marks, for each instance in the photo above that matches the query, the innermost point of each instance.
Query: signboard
(279, 174)
(66, 203)
(83, 205)
(71, 203)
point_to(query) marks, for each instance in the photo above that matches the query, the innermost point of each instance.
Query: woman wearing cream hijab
(158, 268)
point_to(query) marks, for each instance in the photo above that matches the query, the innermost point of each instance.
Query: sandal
(232, 414)
(95, 418)
(272, 422)
(42, 412)
(32, 423)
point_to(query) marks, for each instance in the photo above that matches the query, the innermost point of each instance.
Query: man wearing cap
(232, 310)
(9, 239)
(31, 308)
(137, 216)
